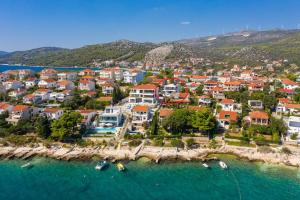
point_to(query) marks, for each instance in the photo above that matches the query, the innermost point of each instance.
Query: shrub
(177, 143)
(135, 143)
(286, 150)
(158, 142)
(190, 142)
(294, 136)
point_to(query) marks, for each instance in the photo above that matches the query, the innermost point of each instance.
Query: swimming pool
(105, 129)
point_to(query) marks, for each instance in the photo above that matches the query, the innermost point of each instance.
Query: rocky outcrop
(157, 56)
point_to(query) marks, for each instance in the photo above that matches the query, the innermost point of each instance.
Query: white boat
(27, 165)
(205, 165)
(101, 165)
(223, 165)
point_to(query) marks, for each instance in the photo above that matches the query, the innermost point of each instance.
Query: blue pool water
(105, 129)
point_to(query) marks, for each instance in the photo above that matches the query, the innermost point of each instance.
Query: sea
(143, 180)
(39, 68)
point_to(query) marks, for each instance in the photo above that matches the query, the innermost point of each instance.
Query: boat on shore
(101, 165)
(120, 167)
(223, 165)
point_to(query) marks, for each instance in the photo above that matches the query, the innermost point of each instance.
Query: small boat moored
(205, 165)
(223, 165)
(120, 167)
(101, 165)
(27, 165)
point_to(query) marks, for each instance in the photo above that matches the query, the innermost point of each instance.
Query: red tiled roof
(288, 82)
(259, 114)
(140, 108)
(51, 110)
(20, 108)
(293, 106)
(228, 115)
(145, 87)
(165, 112)
(227, 101)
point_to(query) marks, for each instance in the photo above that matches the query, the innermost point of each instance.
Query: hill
(239, 47)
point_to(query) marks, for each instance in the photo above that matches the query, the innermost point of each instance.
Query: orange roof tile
(140, 108)
(145, 87)
(20, 108)
(259, 114)
(165, 112)
(228, 115)
(227, 101)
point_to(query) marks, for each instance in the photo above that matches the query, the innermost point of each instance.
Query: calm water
(50, 179)
(38, 68)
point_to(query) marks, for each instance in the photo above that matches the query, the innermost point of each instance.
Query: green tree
(179, 121)
(66, 126)
(43, 126)
(199, 90)
(204, 121)
(154, 125)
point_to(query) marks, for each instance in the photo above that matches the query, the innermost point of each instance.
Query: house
(88, 117)
(3, 77)
(32, 99)
(5, 107)
(86, 85)
(288, 108)
(246, 75)
(70, 76)
(140, 116)
(199, 79)
(164, 113)
(225, 118)
(118, 73)
(43, 93)
(170, 89)
(230, 105)
(204, 100)
(107, 89)
(87, 72)
(107, 73)
(19, 112)
(25, 73)
(232, 86)
(12, 84)
(293, 125)
(102, 81)
(17, 93)
(133, 76)
(254, 87)
(179, 98)
(112, 115)
(48, 74)
(218, 93)
(209, 85)
(288, 84)
(65, 85)
(53, 113)
(259, 118)
(144, 94)
(255, 104)
(47, 83)
(31, 82)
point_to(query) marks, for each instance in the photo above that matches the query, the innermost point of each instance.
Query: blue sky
(26, 24)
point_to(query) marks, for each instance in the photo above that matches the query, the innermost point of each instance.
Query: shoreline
(153, 153)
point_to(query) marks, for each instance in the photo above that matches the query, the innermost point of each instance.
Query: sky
(27, 24)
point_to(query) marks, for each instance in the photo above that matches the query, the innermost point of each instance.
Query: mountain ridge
(249, 45)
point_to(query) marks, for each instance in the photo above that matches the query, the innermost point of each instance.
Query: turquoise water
(105, 129)
(50, 179)
(39, 68)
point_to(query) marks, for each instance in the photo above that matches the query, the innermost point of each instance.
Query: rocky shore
(276, 156)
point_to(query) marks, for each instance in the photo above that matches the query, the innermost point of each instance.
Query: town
(167, 105)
